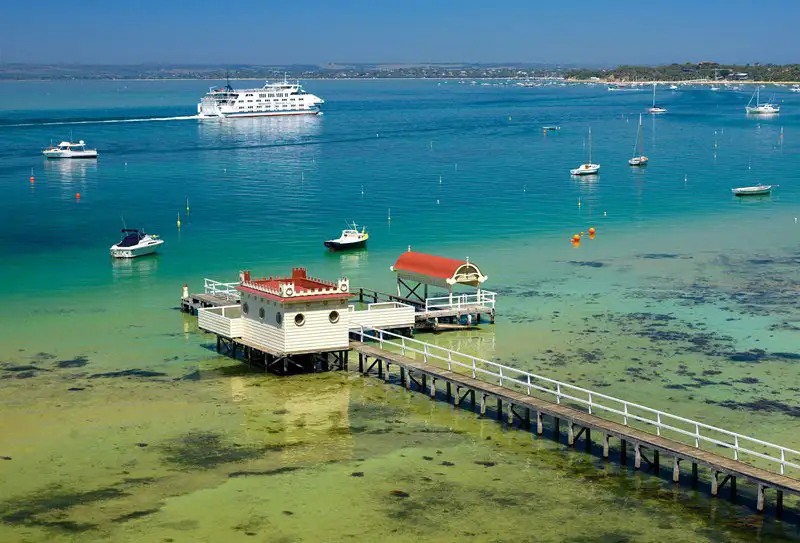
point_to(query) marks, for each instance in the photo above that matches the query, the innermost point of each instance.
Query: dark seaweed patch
(771, 406)
(787, 356)
(128, 373)
(357, 474)
(753, 355)
(485, 464)
(446, 463)
(206, 450)
(276, 471)
(52, 501)
(135, 515)
(399, 494)
(587, 263)
(77, 362)
(75, 389)
(658, 256)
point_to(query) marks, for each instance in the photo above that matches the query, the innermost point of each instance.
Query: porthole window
(299, 319)
(278, 318)
(245, 308)
(261, 313)
(333, 317)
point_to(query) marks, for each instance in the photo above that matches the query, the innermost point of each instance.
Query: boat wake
(108, 121)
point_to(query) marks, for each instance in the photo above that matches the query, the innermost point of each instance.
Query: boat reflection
(351, 260)
(71, 169)
(261, 130)
(124, 269)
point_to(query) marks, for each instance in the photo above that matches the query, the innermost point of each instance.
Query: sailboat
(639, 160)
(588, 168)
(767, 108)
(654, 108)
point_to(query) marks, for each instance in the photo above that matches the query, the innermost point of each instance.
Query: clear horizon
(581, 33)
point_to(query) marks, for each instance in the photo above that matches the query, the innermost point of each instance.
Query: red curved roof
(432, 265)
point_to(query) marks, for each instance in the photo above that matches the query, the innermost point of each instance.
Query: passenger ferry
(272, 99)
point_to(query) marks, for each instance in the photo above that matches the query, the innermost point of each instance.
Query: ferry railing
(484, 298)
(223, 290)
(740, 447)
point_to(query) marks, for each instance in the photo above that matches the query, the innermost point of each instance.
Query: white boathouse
(297, 321)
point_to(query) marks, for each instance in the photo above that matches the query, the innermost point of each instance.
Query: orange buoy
(32, 179)
(576, 238)
(591, 231)
(77, 195)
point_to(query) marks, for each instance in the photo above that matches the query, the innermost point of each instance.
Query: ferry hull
(257, 114)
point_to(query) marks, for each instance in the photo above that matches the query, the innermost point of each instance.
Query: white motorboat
(795, 88)
(767, 108)
(757, 190)
(673, 87)
(66, 149)
(654, 108)
(589, 168)
(135, 243)
(640, 159)
(351, 238)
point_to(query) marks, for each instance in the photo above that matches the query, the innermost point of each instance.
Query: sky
(269, 32)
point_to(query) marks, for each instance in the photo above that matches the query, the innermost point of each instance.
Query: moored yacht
(66, 149)
(588, 168)
(640, 159)
(766, 108)
(272, 99)
(135, 243)
(351, 238)
(654, 109)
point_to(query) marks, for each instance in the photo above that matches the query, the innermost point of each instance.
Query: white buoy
(579, 202)
(437, 202)
(524, 188)
(390, 213)
(456, 166)
(362, 190)
(685, 178)
(440, 179)
(431, 145)
(302, 176)
(604, 213)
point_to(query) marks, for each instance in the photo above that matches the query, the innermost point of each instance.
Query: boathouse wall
(320, 326)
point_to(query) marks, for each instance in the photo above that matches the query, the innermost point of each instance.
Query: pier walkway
(728, 455)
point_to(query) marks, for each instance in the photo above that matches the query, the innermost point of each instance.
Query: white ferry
(272, 99)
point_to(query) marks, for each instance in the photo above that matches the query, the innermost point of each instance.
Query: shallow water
(685, 300)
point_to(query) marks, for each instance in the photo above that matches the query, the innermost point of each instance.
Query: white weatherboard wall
(385, 316)
(224, 321)
(317, 333)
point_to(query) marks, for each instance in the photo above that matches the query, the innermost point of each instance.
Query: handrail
(485, 298)
(508, 377)
(224, 290)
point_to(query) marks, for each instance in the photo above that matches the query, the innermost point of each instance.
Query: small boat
(795, 88)
(588, 168)
(753, 191)
(655, 109)
(551, 128)
(640, 159)
(673, 87)
(351, 238)
(135, 243)
(66, 149)
(767, 108)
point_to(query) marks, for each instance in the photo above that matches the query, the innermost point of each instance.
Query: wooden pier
(439, 367)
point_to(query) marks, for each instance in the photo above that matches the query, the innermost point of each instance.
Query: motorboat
(766, 108)
(638, 159)
(757, 190)
(551, 128)
(589, 168)
(135, 243)
(351, 238)
(67, 149)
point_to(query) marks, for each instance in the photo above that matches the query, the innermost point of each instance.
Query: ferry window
(334, 317)
(299, 319)
(245, 308)
(278, 318)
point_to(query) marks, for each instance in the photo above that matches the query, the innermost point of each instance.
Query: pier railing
(484, 298)
(223, 290)
(775, 458)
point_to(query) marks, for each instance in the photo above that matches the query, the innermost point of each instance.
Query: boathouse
(419, 269)
(296, 321)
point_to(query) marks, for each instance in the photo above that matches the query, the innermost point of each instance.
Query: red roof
(303, 285)
(431, 265)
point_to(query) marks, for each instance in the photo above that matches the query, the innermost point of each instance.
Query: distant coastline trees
(692, 72)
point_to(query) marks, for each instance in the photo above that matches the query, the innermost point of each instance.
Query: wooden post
(733, 488)
(483, 405)
(637, 456)
(218, 341)
(655, 461)
(606, 439)
(472, 398)
(433, 388)
(527, 418)
(539, 423)
(380, 368)
(676, 470)
(557, 428)
(571, 434)
(760, 500)
(449, 393)
(588, 439)
(424, 382)
(510, 414)
(623, 452)
(402, 375)
(694, 474)
(360, 363)
(715, 483)
(779, 504)
(499, 409)
(457, 398)
(386, 373)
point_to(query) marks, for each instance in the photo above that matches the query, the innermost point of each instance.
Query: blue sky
(320, 31)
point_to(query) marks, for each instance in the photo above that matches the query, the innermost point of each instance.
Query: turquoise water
(680, 278)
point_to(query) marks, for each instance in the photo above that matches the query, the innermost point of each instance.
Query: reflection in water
(261, 130)
(70, 170)
(126, 268)
(349, 260)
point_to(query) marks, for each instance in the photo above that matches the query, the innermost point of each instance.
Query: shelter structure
(415, 270)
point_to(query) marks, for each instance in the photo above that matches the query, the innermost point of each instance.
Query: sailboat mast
(654, 95)
(590, 145)
(641, 137)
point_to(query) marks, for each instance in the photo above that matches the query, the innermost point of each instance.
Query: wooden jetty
(524, 396)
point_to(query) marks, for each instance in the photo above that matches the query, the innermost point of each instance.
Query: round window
(278, 318)
(334, 317)
(245, 308)
(261, 313)
(299, 319)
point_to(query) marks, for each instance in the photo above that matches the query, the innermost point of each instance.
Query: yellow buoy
(179, 220)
